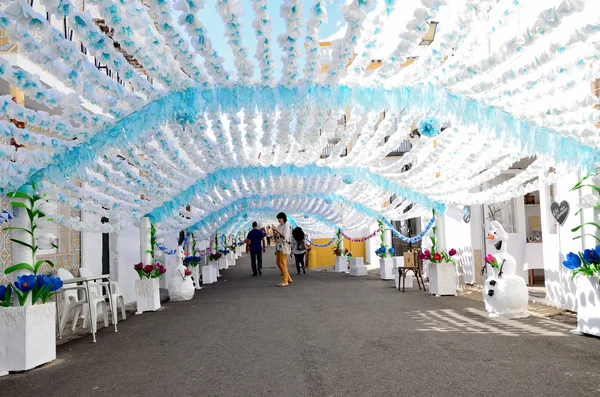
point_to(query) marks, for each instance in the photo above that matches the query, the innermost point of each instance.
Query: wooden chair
(414, 264)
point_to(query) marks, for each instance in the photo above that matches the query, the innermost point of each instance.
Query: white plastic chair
(70, 300)
(117, 297)
(97, 299)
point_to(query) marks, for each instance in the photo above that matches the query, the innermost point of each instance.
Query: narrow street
(326, 335)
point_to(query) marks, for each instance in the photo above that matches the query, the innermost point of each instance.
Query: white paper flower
(589, 201)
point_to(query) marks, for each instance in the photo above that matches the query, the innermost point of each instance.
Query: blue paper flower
(57, 283)
(3, 290)
(429, 127)
(573, 261)
(43, 282)
(391, 251)
(25, 283)
(591, 256)
(50, 283)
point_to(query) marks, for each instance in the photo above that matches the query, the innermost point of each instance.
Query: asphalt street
(327, 334)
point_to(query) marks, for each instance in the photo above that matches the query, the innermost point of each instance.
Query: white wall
(457, 234)
(371, 245)
(171, 242)
(517, 241)
(560, 289)
(91, 246)
(124, 253)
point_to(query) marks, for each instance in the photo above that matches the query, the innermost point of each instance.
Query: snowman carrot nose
(490, 237)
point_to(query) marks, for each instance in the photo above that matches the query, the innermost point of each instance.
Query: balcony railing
(403, 148)
(328, 150)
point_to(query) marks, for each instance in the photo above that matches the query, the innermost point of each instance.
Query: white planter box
(148, 295)
(231, 259)
(27, 337)
(341, 264)
(357, 267)
(223, 263)
(588, 305)
(216, 266)
(386, 266)
(238, 251)
(442, 279)
(209, 273)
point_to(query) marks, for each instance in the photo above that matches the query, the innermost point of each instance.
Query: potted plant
(27, 319)
(147, 289)
(341, 262)
(585, 266)
(385, 254)
(210, 273)
(238, 249)
(192, 263)
(442, 269)
(232, 255)
(223, 260)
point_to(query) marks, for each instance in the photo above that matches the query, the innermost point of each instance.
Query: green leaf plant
(33, 214)
(44, 287)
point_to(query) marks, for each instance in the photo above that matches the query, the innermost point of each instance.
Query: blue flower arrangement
(587, 262)
(192, 261)
(384, 252)
(429, 127)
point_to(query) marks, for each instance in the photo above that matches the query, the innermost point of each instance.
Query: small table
(85, 281)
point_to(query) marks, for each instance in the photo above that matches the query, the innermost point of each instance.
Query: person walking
(269, 236)
(299, 248)
(283, 235)
(255, 241)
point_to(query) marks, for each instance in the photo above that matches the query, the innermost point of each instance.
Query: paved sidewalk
(327, 334)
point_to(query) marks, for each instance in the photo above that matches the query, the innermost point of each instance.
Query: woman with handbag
(299, 248)
(283, 236)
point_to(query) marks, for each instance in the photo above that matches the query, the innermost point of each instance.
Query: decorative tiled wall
(70, 261)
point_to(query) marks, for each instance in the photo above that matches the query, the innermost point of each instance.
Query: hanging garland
(418, 237)
(173, 251)
(360, 239)
(323, 245)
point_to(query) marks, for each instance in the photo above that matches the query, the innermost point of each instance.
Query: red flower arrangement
(156, 270)
(437, 256)
(215, 257)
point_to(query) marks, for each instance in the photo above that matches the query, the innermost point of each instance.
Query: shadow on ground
(327, 334)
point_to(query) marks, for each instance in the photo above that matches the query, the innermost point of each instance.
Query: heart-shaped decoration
(560, 211)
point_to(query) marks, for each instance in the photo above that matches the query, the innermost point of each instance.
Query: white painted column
(370, 246)
(91, 245)
(387, 237)
(145, 240)
(20, 253)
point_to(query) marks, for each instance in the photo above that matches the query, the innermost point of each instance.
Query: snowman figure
(505, 294)
(181, 288)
